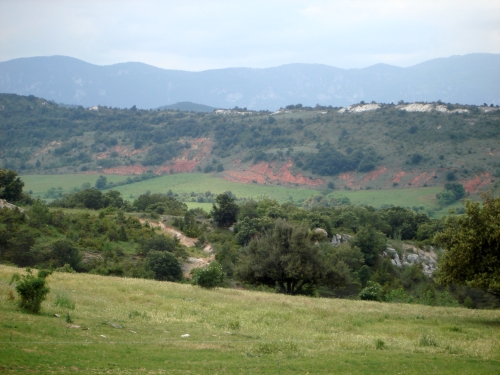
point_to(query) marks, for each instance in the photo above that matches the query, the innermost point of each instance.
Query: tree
(284, 257)
(31, 289)
(64, 252)
(472, 243)
(452, 192)
(371, 242)
(11, 186)
(225, 211)
(165, 266)
(101, 182)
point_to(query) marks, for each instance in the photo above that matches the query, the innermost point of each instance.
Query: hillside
(187, 106)
(469, 79)
(124, 326)
(365, 146)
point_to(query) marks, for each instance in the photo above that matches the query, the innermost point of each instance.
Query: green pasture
(39, 184)
(136, 326)
(200, 183)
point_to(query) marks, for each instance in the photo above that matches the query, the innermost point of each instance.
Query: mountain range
(468, 79)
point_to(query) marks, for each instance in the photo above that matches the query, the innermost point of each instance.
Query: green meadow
(200, 183)
(136, 326)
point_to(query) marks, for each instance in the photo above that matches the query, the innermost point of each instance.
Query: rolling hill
(360, 147)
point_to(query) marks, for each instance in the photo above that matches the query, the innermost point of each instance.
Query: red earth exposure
(264, 172)
(477, 183)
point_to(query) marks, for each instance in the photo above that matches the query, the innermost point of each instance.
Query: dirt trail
(192, 262)
(186, 241)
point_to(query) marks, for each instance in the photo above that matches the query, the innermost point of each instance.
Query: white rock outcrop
(412, 255)
(360, 108)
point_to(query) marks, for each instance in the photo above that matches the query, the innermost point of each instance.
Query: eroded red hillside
(265, 172)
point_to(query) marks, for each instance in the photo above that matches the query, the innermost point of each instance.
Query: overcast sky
(204, 34)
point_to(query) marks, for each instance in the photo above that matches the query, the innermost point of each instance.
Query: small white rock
(185, 336)
(103, 336)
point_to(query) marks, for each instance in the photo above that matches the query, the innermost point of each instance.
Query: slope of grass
(200, 183)
(132, 326)
(40, 184)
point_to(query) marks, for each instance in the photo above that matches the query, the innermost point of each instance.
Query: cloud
(205, 34)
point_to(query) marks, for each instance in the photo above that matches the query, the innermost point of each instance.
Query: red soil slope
(477, 183)
(264, 172)
(186, 162)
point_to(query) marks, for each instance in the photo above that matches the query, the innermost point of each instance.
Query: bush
(209, 277)
(32, 289)
(372, 292)
(165, 266)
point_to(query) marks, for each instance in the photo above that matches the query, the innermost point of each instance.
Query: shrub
(379, 344)
(397, 296)
(32, 289)
(372, 292)
(164, 265)
(209, 277)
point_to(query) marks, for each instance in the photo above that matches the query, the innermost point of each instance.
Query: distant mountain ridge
(468, 79)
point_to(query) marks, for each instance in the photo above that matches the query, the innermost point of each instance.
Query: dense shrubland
(269, 246)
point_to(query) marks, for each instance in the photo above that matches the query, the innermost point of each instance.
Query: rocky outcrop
(10, 206)
(360, 108)
(337, 239)
(412, 255)
(426, 107)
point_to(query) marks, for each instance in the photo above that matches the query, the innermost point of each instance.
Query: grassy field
(133, 326)
(200, 183)
(39, 184)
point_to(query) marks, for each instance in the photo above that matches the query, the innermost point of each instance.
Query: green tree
(165, 266)
(472, 243)
(64, 252)
(225, 211)
(32, 289)
(11, 186)
(371, 242)
(284, 257)
(101, 182)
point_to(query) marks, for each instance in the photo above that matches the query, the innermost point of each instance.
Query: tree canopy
(225, 211)
(472, 243)
(285, 256)
(11, 186)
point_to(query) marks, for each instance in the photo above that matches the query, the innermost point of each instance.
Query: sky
(198, 35)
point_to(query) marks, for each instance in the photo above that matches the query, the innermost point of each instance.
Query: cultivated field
(200, 183)
(133, 326)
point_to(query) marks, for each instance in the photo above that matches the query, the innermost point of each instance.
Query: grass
(40, 184)
(236, 332)
(200, 183)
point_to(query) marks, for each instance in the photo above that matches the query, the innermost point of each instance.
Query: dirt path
(192, 262)
(186, 241)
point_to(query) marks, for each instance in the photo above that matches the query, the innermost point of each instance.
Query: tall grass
(135, 326)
